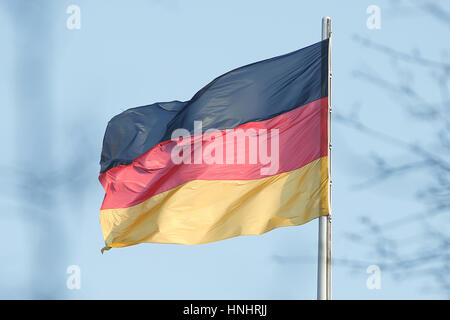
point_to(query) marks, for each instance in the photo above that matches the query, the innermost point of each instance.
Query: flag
(247, 154)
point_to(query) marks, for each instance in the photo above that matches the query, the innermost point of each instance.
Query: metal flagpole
(324, 256)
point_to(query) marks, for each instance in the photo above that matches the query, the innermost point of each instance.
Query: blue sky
(59, 88)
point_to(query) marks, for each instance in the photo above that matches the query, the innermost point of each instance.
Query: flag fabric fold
(247, 154)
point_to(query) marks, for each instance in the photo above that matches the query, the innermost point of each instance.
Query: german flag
(247, 154)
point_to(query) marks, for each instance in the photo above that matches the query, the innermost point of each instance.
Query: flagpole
(324, 255)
